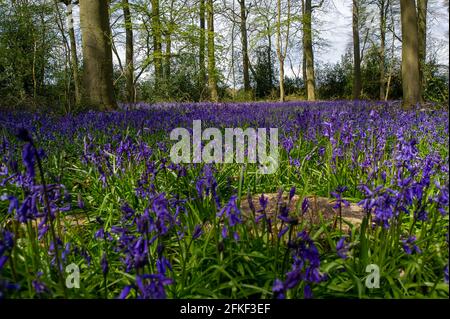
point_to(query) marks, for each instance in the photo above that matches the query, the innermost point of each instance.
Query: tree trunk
(167, 55)
(356, 52)
(129, 62)
(244, 40)
(304, 70)
(282, 94)
(97, 53)
(269, 54)
(383, 4)
(157, 42)
(279, 52)
(308, 51)
(212, 74)
(201, 55)
(73, 53)
(410, 56)
(170, 27)
(422, 6)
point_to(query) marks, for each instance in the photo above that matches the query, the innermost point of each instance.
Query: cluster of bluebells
(409, 245)
(263, 201)
(206, 185)
(6, 246)
(39, 202)
(231, 216)
(284, 213)
(132, 240)
(340, 202)
(305, 267)
(151, 286)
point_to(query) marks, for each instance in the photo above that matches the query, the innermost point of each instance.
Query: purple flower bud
(292, 193)
(125, 292)
(197, 232)
(342, 248)
(104, 264)
(305, 205)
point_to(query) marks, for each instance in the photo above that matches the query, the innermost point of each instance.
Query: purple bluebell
(342, 248)
(152, 286)
(446, 274)
(278, 289)
(409, 245)
(104, 264)
(125, 292)
(198, 231)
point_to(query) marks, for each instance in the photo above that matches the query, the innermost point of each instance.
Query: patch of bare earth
(318, 207)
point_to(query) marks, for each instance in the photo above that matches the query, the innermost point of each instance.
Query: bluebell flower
(263, 202)
(307, 292)
(446, 274)
(13, 202)
(80, 202)
(232, 214)
(291, 193)
(125, 292)
(127, 211)
(224, 232)
(305, 205)
(7, 287)
(65, 252)
(104, 264)
(3, 260)
(409, 245)
(38, 286)
(338, 195)
(152, 286)
(162, 264)
(288, 144)
(342, 248)
(6, 241)
(197, 232)
(279, 289)
(28, 157)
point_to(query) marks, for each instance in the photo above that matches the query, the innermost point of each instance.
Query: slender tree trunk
(410, 56)
(244, 40)
(157, 42)
(304, 70)
(201, 55)
(233, 73)
(97, 53)
(73, 52)
(269, 55)
(168, 37)
(392, 54)
(356, 52)
(422, 6)
(279, 52)
(308, 51)
(212, 73)
(129, 62)
(282, 93)
(383, 4)
(167, 55)
(282, 51)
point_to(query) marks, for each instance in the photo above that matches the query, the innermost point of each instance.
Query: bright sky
(337, 30)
